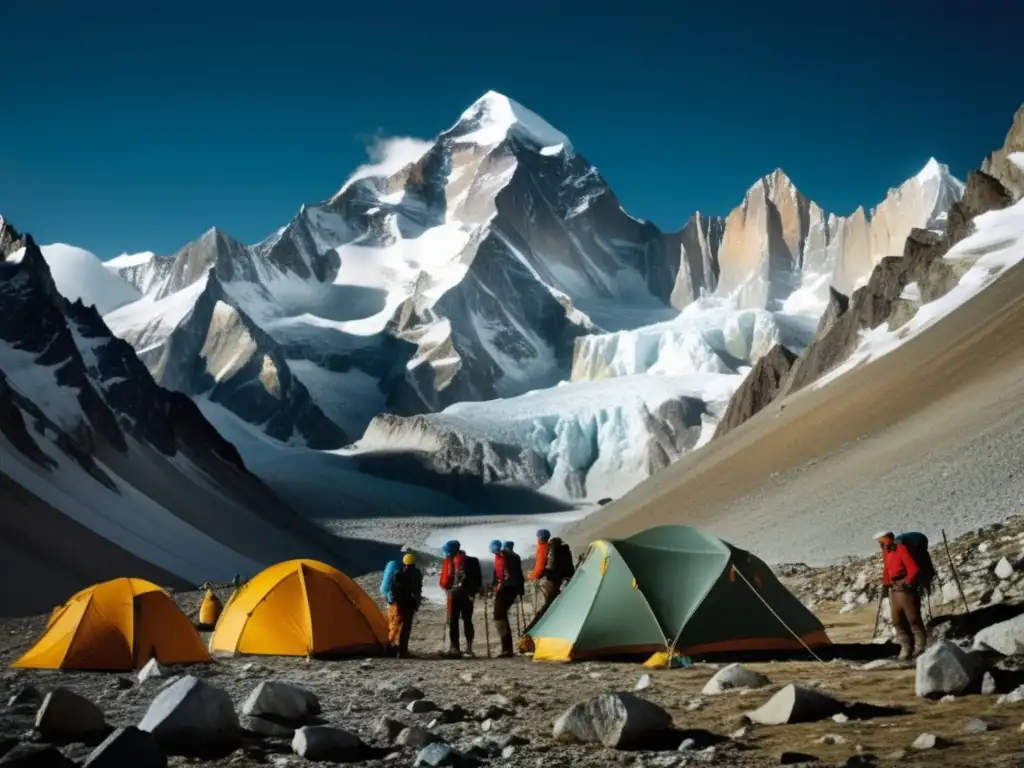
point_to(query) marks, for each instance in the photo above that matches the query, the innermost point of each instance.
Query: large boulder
(945, 669)
(796, 704)
(66, 716)
(127, 747)
(285, 701)
(192, 717)
(616, 720)
(324, 743)
(1007, 637)
(732, 677)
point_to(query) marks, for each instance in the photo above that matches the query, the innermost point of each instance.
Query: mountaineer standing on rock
(406, 596)
(461, 581)
(899, 583)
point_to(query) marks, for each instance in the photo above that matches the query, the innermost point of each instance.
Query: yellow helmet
(408, 559)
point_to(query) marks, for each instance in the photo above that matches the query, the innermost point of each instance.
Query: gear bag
(403, 587)
(471, 578)
(514, 572)
(917, 545)
(562, 566)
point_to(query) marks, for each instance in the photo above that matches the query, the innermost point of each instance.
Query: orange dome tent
(116, 625)
(300, 608)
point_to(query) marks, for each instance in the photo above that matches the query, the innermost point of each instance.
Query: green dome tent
(676, 589)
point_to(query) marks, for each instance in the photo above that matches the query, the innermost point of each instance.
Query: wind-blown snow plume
(388, 155)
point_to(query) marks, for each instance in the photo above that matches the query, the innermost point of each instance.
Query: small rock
(507, 752)
(322, 742)
(616, 720)
(277, 699)
(28, 755)
(436, 754)
(832, 738)
(696, 703)
(839, 717)
(262, 726)
(25, 696)
(739, 733)
(387, 729)
(1003, 569)
(466, 677)
(945, 668)
(1013, 697)
(687, 745)
(876, 664)
(643, 683)
(796, 704)
(899, 754)
(734, 676)
(152, 669)
(127, 747)
(191, 716)
(415, 737)
(420, 706)
(411, 694)
(66, 716)
(976, 725)
(926, 741)
(988, 684)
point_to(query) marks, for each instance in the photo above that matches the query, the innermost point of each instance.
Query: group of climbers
(462, 582)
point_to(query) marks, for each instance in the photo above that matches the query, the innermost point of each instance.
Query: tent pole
(766, 605)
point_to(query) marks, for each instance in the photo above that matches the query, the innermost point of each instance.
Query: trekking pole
(519, 618)
(878, 615)
(444, 624)
(956, 575)
(487, 628)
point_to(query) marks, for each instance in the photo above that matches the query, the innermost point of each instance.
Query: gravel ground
(494, 703)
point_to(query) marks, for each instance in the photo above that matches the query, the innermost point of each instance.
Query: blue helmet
(510, 545)
(543, 534)
(450, 548)
(495, 547)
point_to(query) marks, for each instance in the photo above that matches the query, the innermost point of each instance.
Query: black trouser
(460, 606)
(504, 601)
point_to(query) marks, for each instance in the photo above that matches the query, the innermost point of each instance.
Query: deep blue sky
(136, 125)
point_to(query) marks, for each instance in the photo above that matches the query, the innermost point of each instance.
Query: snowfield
(79, 274)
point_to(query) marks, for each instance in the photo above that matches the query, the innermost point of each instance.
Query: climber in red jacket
(899, 570)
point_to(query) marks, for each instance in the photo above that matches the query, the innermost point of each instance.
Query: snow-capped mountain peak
(493, 117)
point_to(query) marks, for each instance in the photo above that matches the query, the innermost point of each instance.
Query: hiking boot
(454, 653)
(906, 647)
(506, 655)
(469, 654)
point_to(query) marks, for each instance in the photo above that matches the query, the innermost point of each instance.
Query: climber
(899, 571)
(406, 596)
(549, 572)
(506, 588)
(390, 570)
(460, 579)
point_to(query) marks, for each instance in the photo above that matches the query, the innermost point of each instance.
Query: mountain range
(484, 327)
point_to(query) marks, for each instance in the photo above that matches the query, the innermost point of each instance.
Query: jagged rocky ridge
(884, 299)
(495, 255)
(104, 472)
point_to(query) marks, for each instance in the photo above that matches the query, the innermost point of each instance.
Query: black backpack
(514, 572)
(564, 568)
(404, 589)
(917, 546)
(472, 577)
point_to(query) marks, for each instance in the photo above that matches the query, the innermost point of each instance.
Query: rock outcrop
(1007, 164)
(758, 390)
(219, 352)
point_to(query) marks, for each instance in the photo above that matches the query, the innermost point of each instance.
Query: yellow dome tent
(209, 610)
(116, 625)
(300, 608)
